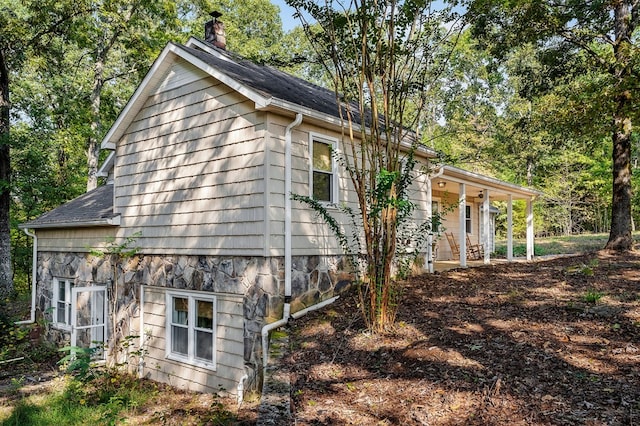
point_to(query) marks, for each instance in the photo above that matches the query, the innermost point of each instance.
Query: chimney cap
(215, 14)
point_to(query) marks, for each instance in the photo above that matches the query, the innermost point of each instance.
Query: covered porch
(463, 200)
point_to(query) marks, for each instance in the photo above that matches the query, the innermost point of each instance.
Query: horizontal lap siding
(80, 240)
(190, 170)
(229, 344)
(311, 236)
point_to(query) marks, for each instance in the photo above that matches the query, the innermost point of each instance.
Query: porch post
(510, 228)
(485, 227)
(429, 208)
(529, 229)
(462, 234)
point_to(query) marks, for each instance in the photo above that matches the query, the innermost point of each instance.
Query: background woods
(547, 100)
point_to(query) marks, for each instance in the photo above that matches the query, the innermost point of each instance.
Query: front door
(88, 316)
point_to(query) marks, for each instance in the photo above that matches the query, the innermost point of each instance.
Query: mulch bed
(552, 342)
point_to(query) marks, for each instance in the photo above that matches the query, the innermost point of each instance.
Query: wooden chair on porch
(474, 251)
(455, 249)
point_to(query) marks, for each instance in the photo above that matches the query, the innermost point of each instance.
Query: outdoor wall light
(442, 184)
(480, 195)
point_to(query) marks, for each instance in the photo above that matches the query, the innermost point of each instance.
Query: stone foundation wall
(259, 280)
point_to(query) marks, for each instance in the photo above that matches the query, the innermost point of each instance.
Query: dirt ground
(553, 342)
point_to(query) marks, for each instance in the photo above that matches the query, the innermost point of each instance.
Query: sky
(286, 14)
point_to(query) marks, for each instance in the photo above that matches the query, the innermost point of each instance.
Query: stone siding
(259, 280)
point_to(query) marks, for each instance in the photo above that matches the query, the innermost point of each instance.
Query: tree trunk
(620, 238)
(6, 275)
(93, 148)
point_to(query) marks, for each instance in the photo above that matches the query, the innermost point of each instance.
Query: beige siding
(79, 240)
(311, 236)
(229, 345)
(190, 170)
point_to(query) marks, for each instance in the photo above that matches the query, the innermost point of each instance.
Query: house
(203, 159)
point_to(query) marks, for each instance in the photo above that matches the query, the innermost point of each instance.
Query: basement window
(191, 326)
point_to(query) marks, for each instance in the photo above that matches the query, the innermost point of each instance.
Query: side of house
(181, 263)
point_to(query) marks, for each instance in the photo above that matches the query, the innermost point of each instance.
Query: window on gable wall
(323, 171)
(191, 328)
(62, 303)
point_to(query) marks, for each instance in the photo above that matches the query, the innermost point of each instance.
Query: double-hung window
(191, 328)
(468, 223)
(323, 173)
(62, 303)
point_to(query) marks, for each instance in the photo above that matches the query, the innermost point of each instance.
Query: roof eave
(102, 222)
(335, 122)
(497, 184)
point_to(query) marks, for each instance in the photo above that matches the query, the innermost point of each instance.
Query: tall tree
(381, 57)
(24, 27)
(601, 31)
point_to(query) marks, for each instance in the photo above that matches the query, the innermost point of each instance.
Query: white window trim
(191, 296)
(67, 300)
(469, 230)
(317, 137)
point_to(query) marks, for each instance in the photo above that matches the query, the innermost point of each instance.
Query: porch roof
(477, 184)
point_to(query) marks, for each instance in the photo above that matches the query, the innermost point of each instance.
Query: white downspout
(142, 336)
(286, 314)
(430, 258)
(240, 389)
(34, 274)
(287, 242)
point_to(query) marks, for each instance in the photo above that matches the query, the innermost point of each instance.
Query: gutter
(34, 270)
(109, 221)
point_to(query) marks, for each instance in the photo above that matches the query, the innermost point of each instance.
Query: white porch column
(529, 229)
(486, 228)
(428, 261)
(462, 234)
(510, 228)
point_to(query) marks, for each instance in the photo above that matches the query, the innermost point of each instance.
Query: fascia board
(150, 81)
(107, 165)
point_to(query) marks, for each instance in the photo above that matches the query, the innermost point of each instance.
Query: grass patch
(592, 296)
(572, 244)
(106, 400)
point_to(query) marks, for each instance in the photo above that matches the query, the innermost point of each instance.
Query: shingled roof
(94, 208)
(270, 82)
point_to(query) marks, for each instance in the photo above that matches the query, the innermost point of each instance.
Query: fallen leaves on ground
(553, 342)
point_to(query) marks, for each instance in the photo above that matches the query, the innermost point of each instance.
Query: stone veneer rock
(259, 280)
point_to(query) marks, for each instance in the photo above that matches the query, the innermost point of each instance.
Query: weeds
(592, 296)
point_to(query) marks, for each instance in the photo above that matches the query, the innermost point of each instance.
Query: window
(323, 170)
(467, 220)
(436, 219)
(62, 303)
(191, 328)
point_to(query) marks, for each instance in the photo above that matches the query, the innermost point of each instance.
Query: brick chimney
(214, 31)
